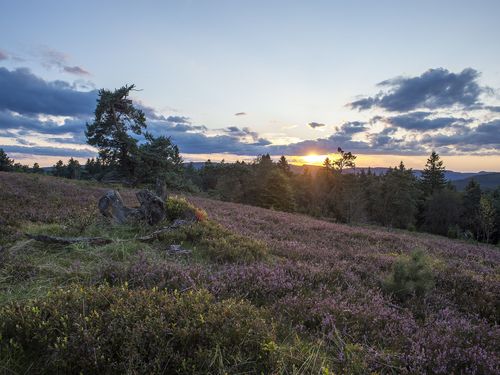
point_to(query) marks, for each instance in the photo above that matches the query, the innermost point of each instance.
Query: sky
(386, 80)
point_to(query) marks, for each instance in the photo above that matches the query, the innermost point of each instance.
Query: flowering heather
(319, 284)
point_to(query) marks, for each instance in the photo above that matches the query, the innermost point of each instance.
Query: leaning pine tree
(115, 118)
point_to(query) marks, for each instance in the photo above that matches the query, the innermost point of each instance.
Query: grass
(283, 293)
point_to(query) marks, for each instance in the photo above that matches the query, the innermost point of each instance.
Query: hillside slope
(486, 180)
(314, 296)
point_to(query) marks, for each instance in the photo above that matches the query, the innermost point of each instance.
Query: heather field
(260, 292)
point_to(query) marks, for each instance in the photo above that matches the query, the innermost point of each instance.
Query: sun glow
(313, 159)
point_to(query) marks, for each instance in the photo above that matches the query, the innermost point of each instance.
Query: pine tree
(346, 160)
(487, 216)
(399, 197)
(471, 206)
(277, 193)
(36, 168)
(6, 163)
(73, 169)
(284, 166)
(433, 177)
(115, 118)
(59, 169)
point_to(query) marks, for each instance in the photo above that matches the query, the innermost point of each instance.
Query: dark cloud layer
(24, 97)
(26, 125)
(485, 135)
(49, 151)
(436, 88)
(23, 92)
(420, 121)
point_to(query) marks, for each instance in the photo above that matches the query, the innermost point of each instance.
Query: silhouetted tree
(471, 205)
(442, 212)
(399, 197)
(277, 193)
(346, 160)
(73, 169)
(115, 118)
(159, 158)
(6, 163)
(433, 177)
(487, 217)
(36, 168)
(59, 169)
(284, 166)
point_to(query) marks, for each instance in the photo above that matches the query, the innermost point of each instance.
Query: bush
(180, 208)
(117, 330)
(411, 276)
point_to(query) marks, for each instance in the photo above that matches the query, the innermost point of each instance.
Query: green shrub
(117, 330)
(180, 208)
(410, 276)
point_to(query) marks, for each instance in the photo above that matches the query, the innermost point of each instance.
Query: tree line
(129, 154)
(397, 198)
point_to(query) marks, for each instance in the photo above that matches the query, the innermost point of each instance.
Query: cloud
(3, 55)
(315, 125)
(76, 70)
(352, 127)
(422, 121)
(52, 58)
(485, 135)
(493, 108)
(25, 142)
(434, 89)
(26, 125)
(25, 93)
(240, 114)
(49, 151)
(179, 119)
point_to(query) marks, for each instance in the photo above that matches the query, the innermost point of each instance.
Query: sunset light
(313, 159)
(257, 187)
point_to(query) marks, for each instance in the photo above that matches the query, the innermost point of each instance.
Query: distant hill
(450, 175)
(486, 180)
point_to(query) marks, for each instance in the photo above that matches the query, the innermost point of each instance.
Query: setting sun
(313, 159)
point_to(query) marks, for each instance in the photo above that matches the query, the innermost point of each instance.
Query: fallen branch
(103, 241)
(175, 225)
(69, 240)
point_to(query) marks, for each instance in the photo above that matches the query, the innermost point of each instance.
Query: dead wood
(69, 240)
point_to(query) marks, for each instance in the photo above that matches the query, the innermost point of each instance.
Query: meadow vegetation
(261, 291)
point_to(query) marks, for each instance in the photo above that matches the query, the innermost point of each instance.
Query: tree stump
(152, 208)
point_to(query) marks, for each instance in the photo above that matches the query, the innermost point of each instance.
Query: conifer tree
(284, 166)
(471, 207)
(6, 163)
(115, 118)
(433, 177)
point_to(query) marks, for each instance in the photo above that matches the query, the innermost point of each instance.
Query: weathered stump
(152, 208)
